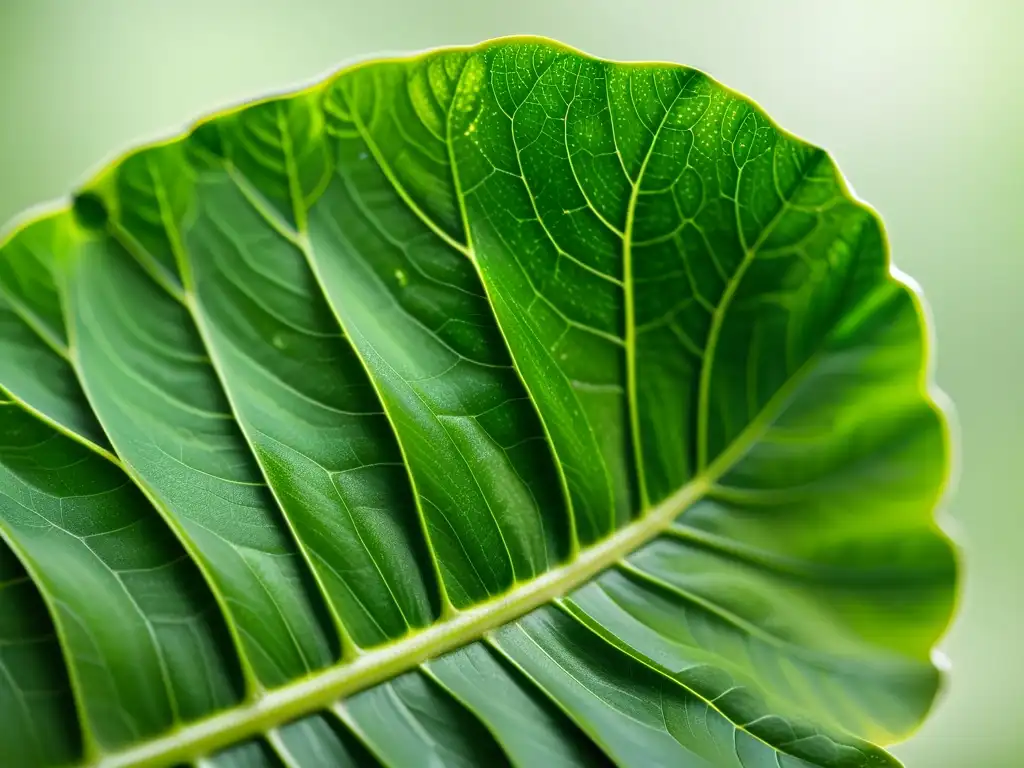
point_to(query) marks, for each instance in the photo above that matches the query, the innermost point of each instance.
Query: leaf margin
(307, 695)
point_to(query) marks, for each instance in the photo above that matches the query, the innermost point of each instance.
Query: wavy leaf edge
(280, 705)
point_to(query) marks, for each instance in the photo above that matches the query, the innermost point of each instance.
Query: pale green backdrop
(920, 101)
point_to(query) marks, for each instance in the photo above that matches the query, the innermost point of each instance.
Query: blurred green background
(920, 101)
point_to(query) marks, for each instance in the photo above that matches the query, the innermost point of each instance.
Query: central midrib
(385, 662)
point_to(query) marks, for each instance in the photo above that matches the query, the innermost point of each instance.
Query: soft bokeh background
(920, 101)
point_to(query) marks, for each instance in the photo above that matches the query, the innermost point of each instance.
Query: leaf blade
(682, 369)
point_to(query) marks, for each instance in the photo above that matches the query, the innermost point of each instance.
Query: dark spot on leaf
(90, 211)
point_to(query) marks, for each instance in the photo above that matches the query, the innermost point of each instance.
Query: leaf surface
(494, 405)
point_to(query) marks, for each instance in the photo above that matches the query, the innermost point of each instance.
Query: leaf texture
(491, 406)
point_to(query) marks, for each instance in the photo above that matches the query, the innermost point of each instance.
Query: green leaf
(491, 406)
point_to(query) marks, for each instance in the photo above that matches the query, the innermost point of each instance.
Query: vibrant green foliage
(494, 405)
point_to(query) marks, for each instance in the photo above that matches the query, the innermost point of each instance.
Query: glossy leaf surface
(492, 406)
